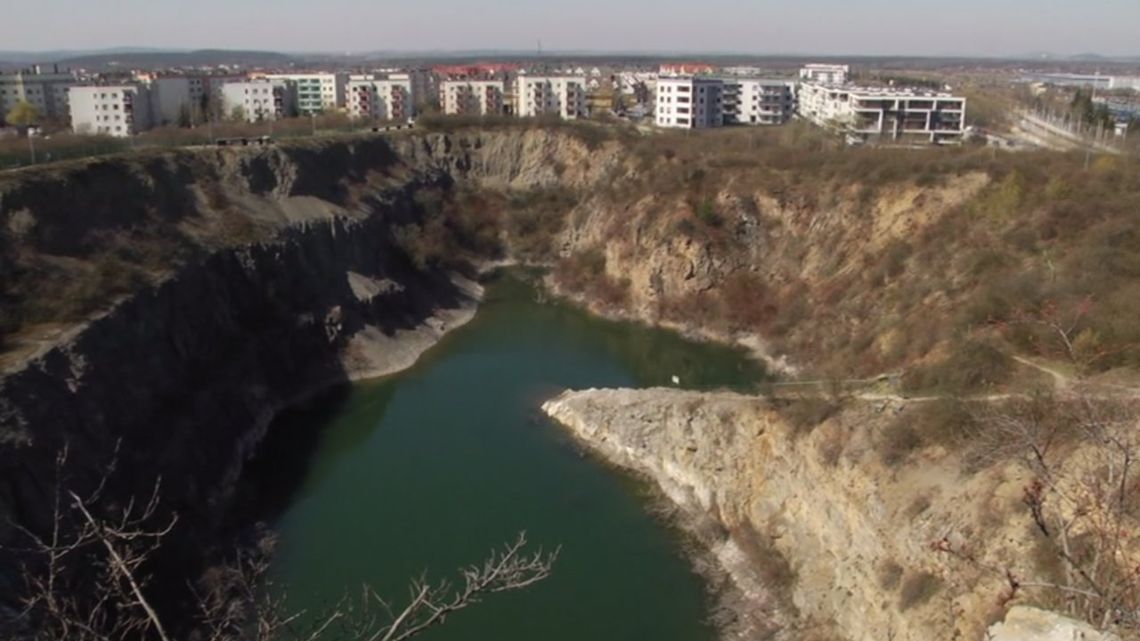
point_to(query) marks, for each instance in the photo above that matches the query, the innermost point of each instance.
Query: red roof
(475, 70)
(687, 67)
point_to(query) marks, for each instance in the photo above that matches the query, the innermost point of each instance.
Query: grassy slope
(862, 261)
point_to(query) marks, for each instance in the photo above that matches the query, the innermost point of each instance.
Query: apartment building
(473, 97)
(112, 110)
(825, 74)
(378, 98)
(885, 113)
(564, 96)
(424, 83)
(316, 92)
(259, 100)
(206, 93)
(758, 101)
(690, 102)
(171, 100)
(1095, 81)
(46, 91)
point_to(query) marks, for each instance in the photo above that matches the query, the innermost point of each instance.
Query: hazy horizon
(818, 27)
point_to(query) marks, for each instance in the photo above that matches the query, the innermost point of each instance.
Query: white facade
(1096, 81)
(206, 93)
(47, 92)
(868, 113)
(825, 74)
(259, 100)
(757, 101)
(824, 105)
(316, 92)
(116, 110)
(690, 103)
(424, 83)
(561, 95)
(473, 97)
(380, 98)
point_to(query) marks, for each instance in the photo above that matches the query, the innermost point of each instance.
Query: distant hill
(144, 58)
(11, 58)
(203, 57)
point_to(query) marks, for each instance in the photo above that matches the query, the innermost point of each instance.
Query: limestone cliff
(855, 535)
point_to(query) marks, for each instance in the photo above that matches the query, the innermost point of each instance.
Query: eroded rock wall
(854, 534)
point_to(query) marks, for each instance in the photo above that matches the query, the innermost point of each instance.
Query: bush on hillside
(917, 589)
(975, 365)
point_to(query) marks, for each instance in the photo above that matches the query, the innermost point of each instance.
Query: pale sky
(855, 27)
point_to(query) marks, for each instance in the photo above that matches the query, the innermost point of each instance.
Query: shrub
(890, 573)
(708, 215)
(900, 440)
(945, 421)
(747, 302)
(805, 413)
(579, 270)
(917, 589)
(973, 366)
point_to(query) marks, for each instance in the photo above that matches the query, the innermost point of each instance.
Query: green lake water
(429, 469)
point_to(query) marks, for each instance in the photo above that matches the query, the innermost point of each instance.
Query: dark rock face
(187, 375)
(234, 281)
(180, 380)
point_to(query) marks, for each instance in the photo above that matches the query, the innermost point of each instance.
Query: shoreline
(741, 607)
(753, 344)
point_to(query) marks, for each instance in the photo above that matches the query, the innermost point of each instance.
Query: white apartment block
(316, 92)
(690, 103)
(47, 92)
(885, 113)
(473, 97)
(561, 95)
(425, 85)
(825, 74)
(115, 110)
(174, 98)
(757, 101)
(380, 98)
(259, 100)
(206, 93)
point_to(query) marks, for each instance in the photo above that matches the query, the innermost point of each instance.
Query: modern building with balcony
(316, 92)
(259, 100)
(111, 110)
(885, 114)
(377, 98)
(758, 101)
(825, 74)
(473, 97)
(564, 96)
(690, 102)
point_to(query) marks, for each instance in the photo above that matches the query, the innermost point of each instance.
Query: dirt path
(1063, 383)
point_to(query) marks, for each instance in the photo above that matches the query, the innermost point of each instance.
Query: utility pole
(31, 144)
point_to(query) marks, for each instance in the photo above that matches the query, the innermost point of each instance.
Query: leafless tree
(87, 580)
(242, 605)
(1080, 447)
